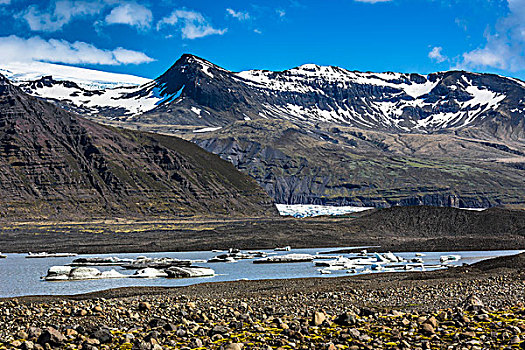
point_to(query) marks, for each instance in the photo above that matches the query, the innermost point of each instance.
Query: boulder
(157, 322)
(34, 332)
(473, 303)
(51, 336)
(345, 319)
(144, 306)
(27, 345)
(427, 329)
(366, 312)
(218, 329)
(103, 335)
(432, 321)
(318, 318)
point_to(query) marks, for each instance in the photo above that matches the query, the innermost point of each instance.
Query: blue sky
(145, 37)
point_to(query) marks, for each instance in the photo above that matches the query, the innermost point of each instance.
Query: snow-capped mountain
(318, 135)
(392, 101)
(110, 102)
(196, 92)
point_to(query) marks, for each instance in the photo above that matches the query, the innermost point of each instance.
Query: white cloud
(436, 54)
(16, 49)
(62, 13)
(125, 56)
(496, 54)
(504, 47)
(372, 1)
(5, 2)
(258, 31)
(132, 14)
(281, 13)
(192, 24)
(241, 16)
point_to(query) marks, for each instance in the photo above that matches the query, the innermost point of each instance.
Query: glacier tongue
(86, 78)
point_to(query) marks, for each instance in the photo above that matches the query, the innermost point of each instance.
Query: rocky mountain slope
(316, 134)
(349, 166)
(55, 164)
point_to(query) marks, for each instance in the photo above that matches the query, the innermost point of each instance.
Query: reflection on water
(20, 276)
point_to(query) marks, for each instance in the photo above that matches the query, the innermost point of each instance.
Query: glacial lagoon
(20, 276)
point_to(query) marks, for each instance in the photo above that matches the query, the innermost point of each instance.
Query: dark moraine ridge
(57, 165)
(395, 229)
(426, 221)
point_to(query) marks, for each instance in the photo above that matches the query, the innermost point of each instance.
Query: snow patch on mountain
(483, 97)
(208, 129)
(126, 98)
(301, 79)
(196, 111)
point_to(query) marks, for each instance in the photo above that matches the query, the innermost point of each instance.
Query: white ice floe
(188, 272)
(149, 273)
(68, 273)
(449, 258)
(31, 255)
(283, 249)
(288, 258)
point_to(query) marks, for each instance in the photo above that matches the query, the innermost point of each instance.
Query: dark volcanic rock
(51, 336)
(103, 335)
(368, 168)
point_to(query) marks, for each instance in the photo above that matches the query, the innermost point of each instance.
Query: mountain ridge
(396, 102)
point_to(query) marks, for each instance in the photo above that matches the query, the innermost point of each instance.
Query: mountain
(326, 135)
(196, 92)
(55, 164)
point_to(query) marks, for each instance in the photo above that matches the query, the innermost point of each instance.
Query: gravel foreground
(471, 307)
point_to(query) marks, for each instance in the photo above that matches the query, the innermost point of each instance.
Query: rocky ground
(471, 307)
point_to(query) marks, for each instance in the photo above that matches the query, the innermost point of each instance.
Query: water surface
(20, 276)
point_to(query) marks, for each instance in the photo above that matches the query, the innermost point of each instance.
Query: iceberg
(68, 273)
